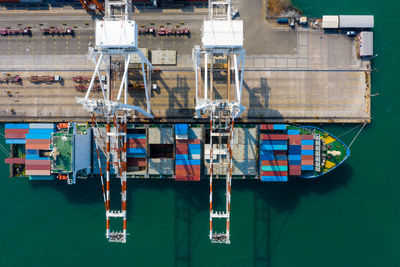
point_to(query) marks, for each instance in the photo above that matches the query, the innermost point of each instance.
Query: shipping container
(274, 173)
(274, 178)
(279, 126)
(15, 136)
(294, 140)
(307, 142)
(181, 149)
(38, 136)
(295, 162)
(29, 151)
(187, 178)
(281, 157)
(307, 147)
(41, 125)
(294, 170)
(188, 141)
(17, 126)
(15, 161)
(194, 146)
(38, 141)
(135, 145)
(274, 163)
(15, 141)
(273, 147)
(37, 172)
(135, 162)
(37, 167)
(294, 150)
(136, 136)
(266, 127)
(188, 162)
(307, 167)
(16, 131)
(41, 131)
(307, 152)
(274, 137)
(295, 157)
(307, 157)
(136, 150)
(293, 132)
(181, 156)
(38, 146)
(307, 162)
(274, 168)
(37, 162)
(137, 141)
(307, 137)
(36, 157)
(182, 129)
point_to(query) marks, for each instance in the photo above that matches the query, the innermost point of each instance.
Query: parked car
(351, 33)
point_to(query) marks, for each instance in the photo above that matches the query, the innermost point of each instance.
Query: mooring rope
(354, 139)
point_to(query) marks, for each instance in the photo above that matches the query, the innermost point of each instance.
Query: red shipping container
(294, 170)
(136, 141)
(134, 145)
(274, 137)
(274, 173)
(182, 149)
(37, 146)
(136, 162)
(307, 162)
(16, 131)
(37, 167)
(188, 167)
(266, 127)
(37, 162)
(307, 157)
(280, 152)
(15, 161)
(307, 147)
(294, 140)
(15, 136)
(307, 137)
(274, 163)
(38, 141)
(188, 141)
(187, 172)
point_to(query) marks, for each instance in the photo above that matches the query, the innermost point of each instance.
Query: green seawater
(348, 218)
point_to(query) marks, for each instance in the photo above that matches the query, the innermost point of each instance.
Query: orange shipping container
(38, 141)
(37, 146)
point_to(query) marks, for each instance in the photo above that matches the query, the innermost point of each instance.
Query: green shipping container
(274, 168)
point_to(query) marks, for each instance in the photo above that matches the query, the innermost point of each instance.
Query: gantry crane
(220, 36)
(116, 37)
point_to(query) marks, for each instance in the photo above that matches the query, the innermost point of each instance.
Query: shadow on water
(270, 200)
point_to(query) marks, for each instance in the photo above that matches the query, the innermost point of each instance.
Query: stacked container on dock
(273, 157)
(15, 133)
(307, 152)
(187, 155)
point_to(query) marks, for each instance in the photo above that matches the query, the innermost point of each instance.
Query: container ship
(184, 152)
(268, 152)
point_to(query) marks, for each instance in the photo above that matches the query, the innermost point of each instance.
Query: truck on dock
(44, 79)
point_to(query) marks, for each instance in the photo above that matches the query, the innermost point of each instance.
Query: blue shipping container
(294, 162)
(15, 141)
(17, 126)
(187, 162)
(36, 156)
(279, 126)
(307, 167)
(294, 157)
(274, 142)
(181, 156)
(273, 147)
(307, 142)
(41, 131)
(137, 136)
(293, 132)
(136, 155)
(182, 129)
(274, 178)
(136, 150)
(307, 152)
(194, 146)
(41, 177)
(37, 136)
(267, 157)
(281, 157)
(294, 150)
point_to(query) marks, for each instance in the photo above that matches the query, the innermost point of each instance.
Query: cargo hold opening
(161, 151)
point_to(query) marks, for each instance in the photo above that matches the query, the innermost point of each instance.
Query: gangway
(116, 37)
(220, 36)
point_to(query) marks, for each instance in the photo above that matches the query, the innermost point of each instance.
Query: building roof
(363, 21)
(222, 34)
(366, 43)
(330, 22)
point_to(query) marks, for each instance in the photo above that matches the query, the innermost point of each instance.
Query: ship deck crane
(220, 36)
(116, 37)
